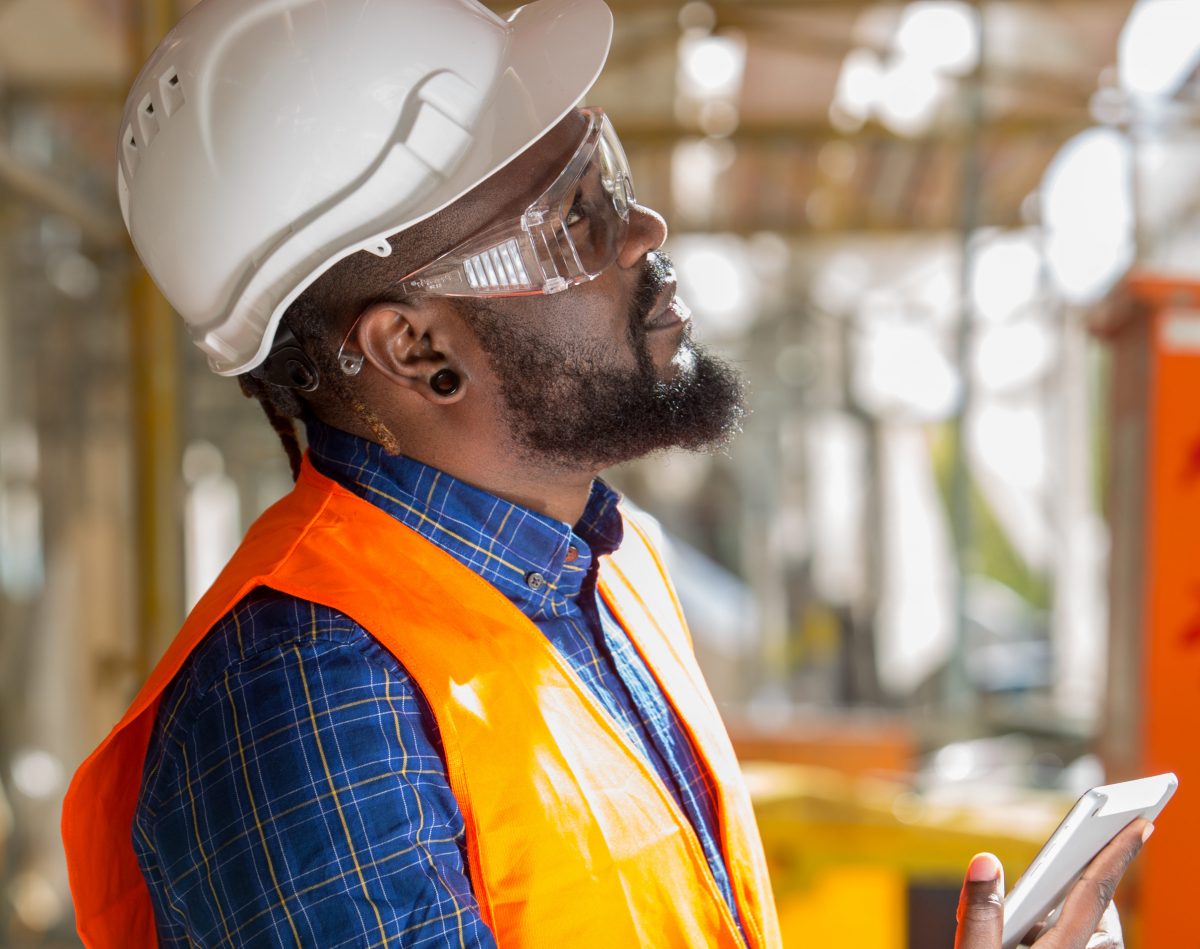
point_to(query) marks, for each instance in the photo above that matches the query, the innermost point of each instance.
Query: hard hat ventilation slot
(129, 147)
(147, 121)
(170, 92)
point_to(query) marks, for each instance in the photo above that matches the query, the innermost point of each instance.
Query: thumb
(981, 905)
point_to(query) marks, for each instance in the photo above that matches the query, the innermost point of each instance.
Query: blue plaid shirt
(295, 791)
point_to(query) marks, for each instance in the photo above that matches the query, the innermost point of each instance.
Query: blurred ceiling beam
(629, 54)
(49, 92)
(769, 30)
(635, 133)
(97, 226)
(889, 230)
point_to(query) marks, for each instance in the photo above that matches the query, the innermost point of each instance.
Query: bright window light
(1007, 443)
(716, 279)
(36, 773)
(1013, 356)
(211, 518)
(1011, 440)
(21, 562)
(839, 282)
(696, 166)
(1004, 275)
(1159, 47)
(860, 83)
(1087, 184)
(1085, 272)
(911, 94)
(902, 369)
(915, 619)
(835, 458)
(710, 67)
(939, 35)
(1087, 207)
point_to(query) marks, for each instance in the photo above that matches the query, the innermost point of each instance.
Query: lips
(668, 310)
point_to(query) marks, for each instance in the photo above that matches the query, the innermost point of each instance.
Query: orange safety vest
(572, 839)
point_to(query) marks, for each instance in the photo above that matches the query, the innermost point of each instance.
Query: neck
(496, 466)
(547, 489)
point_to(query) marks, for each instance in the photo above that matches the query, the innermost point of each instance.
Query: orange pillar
(1153, 719)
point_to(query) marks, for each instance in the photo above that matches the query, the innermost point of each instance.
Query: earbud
(445, 382)
(288, 365)
(302, 373)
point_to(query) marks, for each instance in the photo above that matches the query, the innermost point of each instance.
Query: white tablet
(1096, 818)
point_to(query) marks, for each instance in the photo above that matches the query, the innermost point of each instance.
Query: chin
(682, 364)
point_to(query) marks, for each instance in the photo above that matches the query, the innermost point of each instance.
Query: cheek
(475, 360)
(592, 315)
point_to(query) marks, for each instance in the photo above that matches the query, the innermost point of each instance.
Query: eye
(577, 212)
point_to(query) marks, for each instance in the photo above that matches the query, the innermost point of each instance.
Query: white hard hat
(265, 140)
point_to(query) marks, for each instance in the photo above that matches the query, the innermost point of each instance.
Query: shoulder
(269, 658)
(290, 719)
(265, 623)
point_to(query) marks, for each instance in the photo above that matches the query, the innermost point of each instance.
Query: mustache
(655, 273)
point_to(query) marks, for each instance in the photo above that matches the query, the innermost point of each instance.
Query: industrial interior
(944, 581)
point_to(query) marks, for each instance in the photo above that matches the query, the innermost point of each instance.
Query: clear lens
(618, 178)
(592, 220)
(571, 234)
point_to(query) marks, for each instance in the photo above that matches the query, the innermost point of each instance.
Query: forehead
(514, 186)
(506, 194)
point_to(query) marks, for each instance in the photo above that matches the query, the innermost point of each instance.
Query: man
(443, 694)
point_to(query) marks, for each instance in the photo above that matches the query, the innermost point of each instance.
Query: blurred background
(946, 579)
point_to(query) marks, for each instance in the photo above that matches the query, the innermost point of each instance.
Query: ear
(407, 343)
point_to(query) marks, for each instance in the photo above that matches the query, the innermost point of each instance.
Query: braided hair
(319, 319)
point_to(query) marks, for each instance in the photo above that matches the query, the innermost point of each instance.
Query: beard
(570, 403)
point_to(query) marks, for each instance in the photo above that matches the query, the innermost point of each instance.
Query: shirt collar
(534, 560)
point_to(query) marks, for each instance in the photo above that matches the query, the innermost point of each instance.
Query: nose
(647, 232)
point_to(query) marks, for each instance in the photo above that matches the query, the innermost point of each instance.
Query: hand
(1080, 925)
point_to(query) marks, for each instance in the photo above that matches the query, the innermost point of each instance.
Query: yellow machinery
(845, 850)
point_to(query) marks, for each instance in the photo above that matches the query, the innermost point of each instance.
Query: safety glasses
(569, 235)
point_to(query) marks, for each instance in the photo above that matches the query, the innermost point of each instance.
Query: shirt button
(534, 580)
(572, 554)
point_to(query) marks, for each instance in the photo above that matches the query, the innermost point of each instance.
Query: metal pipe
(97, 226)
(959, 698)
(155, 381)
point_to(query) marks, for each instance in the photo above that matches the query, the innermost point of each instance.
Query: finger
(1035, 934)
(981, 905)
(1108, 932)
(1091, 895)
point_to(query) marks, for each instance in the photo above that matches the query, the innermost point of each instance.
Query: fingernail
(984, 867)
(1147, 832)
